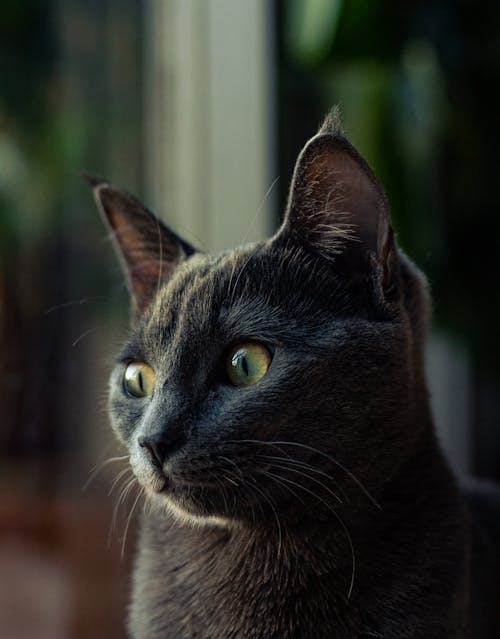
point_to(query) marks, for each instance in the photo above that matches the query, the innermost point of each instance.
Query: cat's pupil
(244, 366)
(140, 381)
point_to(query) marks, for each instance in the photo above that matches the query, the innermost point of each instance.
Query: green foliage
(415, 84)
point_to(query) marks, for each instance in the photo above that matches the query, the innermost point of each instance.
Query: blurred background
(200, 107)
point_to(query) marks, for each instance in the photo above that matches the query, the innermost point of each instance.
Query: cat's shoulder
(483, 501)
(483, 504)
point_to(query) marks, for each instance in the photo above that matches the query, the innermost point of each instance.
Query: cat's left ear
(337, 209)
(148, 251)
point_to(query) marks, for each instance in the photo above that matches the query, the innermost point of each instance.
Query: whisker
(139, 495)
(245, 264)
(84, 334)
(337, 463)
(242, 483)
(231, 481)
(125, 492)
(127, 484)
(344, 527)
(252, 222)
(279, 481)
(230, 461)
(97, 469)
(353, 554)
(80, 302)
(260, 207)
(257, 501)
(319, 452)
(160, 247)
(117, 479)
(302, 464)
(305, 466)
(303, 474)
(222, 492)
(278, 523)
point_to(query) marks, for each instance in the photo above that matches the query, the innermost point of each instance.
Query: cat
(273, 403)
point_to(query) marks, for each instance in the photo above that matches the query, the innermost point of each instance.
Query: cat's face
(276, 378)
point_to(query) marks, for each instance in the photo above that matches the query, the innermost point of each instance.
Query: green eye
(247, 363)
(139, 379)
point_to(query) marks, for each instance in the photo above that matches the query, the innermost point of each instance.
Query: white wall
(209, 118)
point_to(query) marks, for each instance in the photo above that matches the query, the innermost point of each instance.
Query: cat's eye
(247, 363)
(139, 379)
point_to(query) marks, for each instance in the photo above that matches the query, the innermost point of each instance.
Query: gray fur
(315, 503)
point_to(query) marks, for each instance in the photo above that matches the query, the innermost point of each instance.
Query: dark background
(417, 84)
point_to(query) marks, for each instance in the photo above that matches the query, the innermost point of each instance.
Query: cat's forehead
(202, 288)
(254, 291)
(200, 281)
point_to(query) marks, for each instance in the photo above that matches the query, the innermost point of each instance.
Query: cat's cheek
(116, 411)
(118, 429)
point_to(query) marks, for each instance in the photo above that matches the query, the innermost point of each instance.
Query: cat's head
(280, 378)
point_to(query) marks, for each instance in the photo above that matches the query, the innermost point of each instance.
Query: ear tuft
(332, 124)
(336, 205)
(92, 180)
(148, 251)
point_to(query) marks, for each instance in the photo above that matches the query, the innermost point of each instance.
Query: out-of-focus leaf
(310, 28)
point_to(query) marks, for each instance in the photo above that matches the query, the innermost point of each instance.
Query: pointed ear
(337, 208)
(148, 251)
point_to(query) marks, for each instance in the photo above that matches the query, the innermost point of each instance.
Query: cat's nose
(160, 446)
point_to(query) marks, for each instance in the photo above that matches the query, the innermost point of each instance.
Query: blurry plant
(310, 29)
(414, 83)
(65, 105)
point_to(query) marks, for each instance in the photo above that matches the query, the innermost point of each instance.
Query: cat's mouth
(199, 500)
(199, 489)
(174, 484)
(169, 484)
(191, 502)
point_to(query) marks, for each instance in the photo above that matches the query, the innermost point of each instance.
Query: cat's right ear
(337, 209)
(148, 251)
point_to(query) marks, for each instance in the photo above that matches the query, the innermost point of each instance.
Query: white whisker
(344, 528)
(97, 469)
(129, 518)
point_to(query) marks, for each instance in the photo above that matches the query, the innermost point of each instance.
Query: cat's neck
(241, 582)
(251, 577)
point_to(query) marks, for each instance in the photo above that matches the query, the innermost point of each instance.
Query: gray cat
(273, 403)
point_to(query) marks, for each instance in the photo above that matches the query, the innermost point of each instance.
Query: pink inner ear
(141, 260)
(342, 193)
(147, 250)
(336, 202)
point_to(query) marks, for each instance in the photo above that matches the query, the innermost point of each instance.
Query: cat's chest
(218, 590)
(206, 584)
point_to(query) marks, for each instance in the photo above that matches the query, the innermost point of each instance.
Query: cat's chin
(173, 509)
(176, 501)
(153, 483)
(187, 518)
